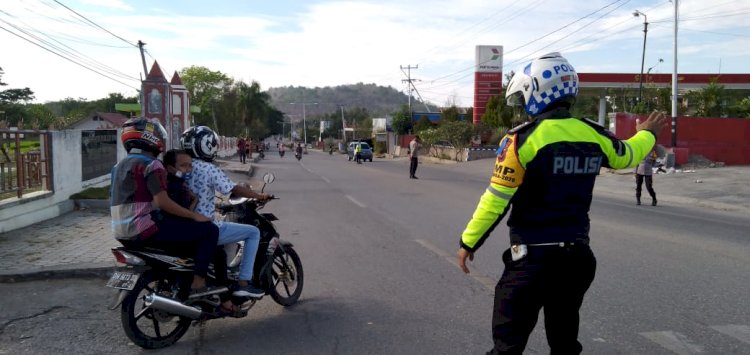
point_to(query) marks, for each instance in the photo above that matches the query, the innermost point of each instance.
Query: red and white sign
(488, 77)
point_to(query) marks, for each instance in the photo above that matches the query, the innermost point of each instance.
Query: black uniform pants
(649, 186)
(413, 166)
(550, 277)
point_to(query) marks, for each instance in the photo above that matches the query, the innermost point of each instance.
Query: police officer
(545, 169)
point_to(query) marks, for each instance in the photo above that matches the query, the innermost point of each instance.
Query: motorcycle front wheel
(147, 327)
(286, 278)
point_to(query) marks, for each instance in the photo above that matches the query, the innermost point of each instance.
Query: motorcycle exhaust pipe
(171, 306)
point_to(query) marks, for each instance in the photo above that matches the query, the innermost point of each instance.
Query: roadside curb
(94, 271)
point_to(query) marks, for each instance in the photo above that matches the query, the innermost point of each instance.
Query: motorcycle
(156, 307)
(281, 153)
(298, 155)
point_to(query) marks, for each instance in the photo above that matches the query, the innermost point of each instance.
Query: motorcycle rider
(298, 151)
(202, 144)
(546, 169)
(139, 193)
(179, 167)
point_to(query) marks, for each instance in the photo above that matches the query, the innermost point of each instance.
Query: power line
(93, 23)
(69, 51)
(66, 58)
(536, 39)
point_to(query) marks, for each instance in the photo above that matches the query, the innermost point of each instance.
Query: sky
(335, 42)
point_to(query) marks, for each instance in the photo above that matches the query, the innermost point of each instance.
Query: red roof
(176, 79)
(117, 119)
(156, 74)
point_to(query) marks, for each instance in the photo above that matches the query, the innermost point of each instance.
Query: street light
(654, 66)
(304, 122)
(643, 55)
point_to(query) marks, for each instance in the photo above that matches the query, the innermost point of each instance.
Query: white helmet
(200, 142)
(547, 79)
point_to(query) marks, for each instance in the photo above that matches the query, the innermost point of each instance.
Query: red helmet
(143, 133)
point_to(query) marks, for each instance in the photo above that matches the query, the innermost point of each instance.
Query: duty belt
(561, 244)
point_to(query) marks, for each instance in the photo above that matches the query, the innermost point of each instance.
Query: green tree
(206, 88)
(252, 103)
(709, 101)
(402, 121)
(11, 102)
(457, 133)
(423, 124)
(743, 107)
(450, 114)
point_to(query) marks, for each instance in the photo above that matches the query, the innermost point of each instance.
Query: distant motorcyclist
(298, 151)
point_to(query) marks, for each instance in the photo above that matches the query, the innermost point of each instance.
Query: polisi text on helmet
(564, 68)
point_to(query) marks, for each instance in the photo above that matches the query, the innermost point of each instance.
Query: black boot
(638, 200)
(653, 202)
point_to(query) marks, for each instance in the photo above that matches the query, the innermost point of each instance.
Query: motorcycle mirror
(268, 178)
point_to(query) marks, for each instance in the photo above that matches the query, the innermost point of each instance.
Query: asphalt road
(378, 253)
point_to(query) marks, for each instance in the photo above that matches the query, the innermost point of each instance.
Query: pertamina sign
(488, 77)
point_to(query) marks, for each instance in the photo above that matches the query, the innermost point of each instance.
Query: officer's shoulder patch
(508, 170)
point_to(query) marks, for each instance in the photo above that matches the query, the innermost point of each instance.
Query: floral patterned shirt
(205, 181)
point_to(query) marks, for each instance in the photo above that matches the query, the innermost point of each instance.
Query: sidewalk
(76, 244)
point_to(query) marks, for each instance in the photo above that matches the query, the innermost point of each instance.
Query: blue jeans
(234, 232)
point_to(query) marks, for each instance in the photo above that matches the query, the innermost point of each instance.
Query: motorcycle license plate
(123, 280)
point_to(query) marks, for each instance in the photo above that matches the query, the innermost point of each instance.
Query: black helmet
(143, 133)
(200, 142)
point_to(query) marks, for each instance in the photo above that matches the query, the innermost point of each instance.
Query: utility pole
(343, 126)
(674, 75)
(143, 58)
(409, 81)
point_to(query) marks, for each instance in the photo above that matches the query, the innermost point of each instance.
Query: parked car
(366, 153)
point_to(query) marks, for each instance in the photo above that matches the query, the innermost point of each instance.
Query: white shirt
(204, 182)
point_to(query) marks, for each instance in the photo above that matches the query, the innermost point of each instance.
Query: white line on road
(674, 341)
(325, 179)
(484, 280)
(739, 332)
(360, 204)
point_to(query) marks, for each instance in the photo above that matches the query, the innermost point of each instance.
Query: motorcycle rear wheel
(146, 327)
(286, 277)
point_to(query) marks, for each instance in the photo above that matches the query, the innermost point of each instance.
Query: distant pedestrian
(414, 147)
(242, 149)
(644, 171)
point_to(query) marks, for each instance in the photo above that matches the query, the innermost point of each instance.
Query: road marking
(674, 341)
(739, 332)
(325, 179)
(484, 280)
(360, 204)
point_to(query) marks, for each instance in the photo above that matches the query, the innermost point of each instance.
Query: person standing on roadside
(414, 146)
(358, 152)
(644, 171)
(546, 169)
(242, 149)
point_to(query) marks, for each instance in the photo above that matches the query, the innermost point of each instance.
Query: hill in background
(378, 100)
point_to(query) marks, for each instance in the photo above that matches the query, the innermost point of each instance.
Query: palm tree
(251, 102)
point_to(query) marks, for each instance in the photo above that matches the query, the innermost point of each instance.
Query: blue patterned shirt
(205, 181)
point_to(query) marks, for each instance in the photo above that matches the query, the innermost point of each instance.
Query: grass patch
(92, 193)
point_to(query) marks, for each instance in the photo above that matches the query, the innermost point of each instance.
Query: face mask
(183, 175)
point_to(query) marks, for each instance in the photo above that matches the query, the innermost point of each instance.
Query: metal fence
(25, 162)
(98, 153)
